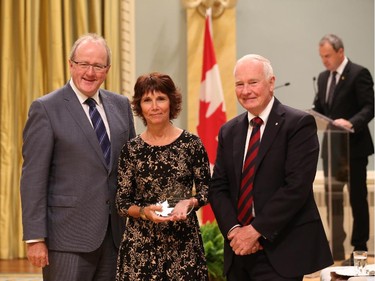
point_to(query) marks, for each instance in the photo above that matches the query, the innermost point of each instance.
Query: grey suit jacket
(67, 190)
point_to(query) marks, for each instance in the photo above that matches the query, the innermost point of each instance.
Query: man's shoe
(349, 261)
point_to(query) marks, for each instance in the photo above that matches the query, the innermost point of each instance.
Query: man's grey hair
(91, 37)
(267, 67)
(333, 40)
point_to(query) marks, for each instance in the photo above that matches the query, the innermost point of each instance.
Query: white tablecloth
(325, 274)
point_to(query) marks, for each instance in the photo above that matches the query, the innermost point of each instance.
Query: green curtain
(35, 41)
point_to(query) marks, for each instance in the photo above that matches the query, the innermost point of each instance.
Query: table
(325, 274)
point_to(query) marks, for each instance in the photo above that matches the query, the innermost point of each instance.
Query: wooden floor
(23, 266)
(18, 266)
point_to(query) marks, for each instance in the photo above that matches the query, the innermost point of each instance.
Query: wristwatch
(142, 213)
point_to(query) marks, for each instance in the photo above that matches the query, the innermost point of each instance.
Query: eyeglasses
(85, 66)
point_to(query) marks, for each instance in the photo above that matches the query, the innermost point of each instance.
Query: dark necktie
(246, 191)
(331, 89)
(99, 128)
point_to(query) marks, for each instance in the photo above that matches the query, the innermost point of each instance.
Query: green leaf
(213, 243)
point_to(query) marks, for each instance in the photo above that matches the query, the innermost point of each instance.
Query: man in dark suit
(285, 238)
(351, 106)
(68, 182)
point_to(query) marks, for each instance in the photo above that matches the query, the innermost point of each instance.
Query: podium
(334, 161)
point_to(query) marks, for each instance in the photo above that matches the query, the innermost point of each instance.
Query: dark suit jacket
(67, 190)
(286, 213)
(353, 100)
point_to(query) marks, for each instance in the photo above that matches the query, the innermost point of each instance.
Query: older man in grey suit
(68, 182)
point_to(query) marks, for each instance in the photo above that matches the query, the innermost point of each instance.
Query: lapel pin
(276, 123)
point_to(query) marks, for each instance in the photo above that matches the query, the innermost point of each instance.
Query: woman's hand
(150, 214)
(182, 209)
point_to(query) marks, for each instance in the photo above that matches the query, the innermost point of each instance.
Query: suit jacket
(286, 214)
(353, 100)
(67, 190)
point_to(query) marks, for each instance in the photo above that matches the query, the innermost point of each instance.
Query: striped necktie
(99, 128)
(246, 191)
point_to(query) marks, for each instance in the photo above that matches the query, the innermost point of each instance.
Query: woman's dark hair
(156, 82)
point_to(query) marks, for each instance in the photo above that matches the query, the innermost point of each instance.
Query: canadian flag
(211, 104)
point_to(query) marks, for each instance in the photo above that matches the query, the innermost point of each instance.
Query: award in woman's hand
(166, 211)
(174, 204)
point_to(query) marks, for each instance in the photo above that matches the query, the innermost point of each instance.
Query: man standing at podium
(346, 95)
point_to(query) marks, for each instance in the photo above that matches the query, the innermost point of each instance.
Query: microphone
(316, 92)
(283, 85)
(314, 85)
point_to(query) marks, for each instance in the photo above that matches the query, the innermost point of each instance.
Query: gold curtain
(35, 41)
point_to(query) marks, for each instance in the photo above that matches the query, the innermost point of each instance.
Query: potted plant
(213, 243)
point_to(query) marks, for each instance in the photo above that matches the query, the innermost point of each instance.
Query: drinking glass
(360, 262)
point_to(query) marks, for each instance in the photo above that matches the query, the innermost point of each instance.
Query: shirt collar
(341, 67)
(265, 113)
(81, 97)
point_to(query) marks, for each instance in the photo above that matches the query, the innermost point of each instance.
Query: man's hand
(343, 123)
(244, 240)
(37, 254)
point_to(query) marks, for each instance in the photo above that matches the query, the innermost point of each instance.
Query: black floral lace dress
(151, 174)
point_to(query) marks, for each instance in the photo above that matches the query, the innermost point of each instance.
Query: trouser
(255, 267)
(359, 203)
(357, 189)
(99, 265)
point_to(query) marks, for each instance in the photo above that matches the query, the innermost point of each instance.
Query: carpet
(20, 277)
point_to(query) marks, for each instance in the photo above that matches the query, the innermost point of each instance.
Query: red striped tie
(246, 195)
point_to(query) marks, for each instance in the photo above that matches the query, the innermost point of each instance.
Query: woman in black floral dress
(163, 163)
